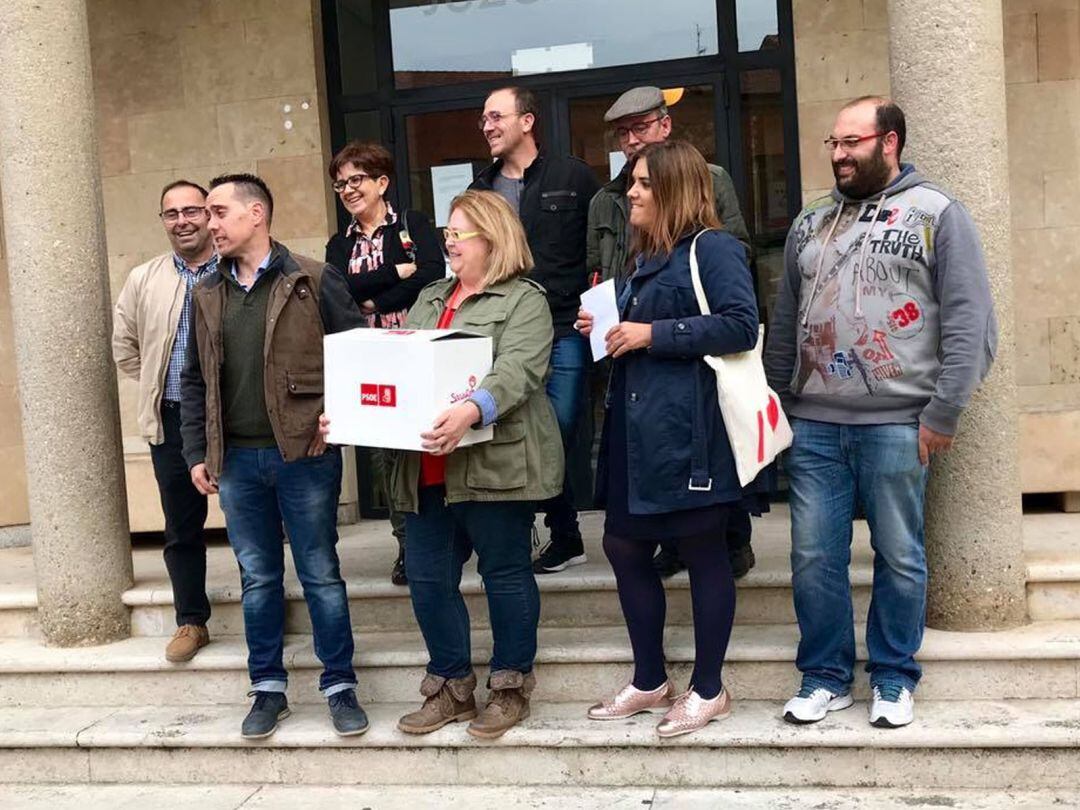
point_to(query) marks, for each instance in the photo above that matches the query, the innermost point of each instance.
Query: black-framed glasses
(639, 129)
(352, 181)
(171, 216)
(494, 117)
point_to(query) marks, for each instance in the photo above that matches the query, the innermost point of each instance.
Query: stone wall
(188, 88)
(1042, 72)
(842, 51)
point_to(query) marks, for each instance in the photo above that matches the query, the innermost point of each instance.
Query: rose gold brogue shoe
(630, 701)
(691, 712)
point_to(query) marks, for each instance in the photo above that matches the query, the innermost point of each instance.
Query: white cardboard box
(384, 387)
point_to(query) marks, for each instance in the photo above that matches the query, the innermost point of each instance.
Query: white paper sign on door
(616, 161)
(446, 183)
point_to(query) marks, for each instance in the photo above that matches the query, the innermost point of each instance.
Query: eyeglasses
(639, 129)
(172, 215)
(454, 235)
(494, 117)
(849, 143)
(352, 181)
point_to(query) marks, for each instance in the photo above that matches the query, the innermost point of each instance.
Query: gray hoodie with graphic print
(884, 314)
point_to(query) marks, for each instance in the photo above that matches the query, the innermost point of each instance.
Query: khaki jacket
(307, 300)
(145, 320)
(524, 459)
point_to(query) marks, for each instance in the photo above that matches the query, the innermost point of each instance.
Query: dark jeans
(566, 390)
(441, 539)
(260, 492)
(185, 516)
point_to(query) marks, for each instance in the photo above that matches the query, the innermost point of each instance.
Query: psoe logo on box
(382, 396)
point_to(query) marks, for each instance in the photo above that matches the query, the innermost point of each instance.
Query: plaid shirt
(183, 328)
(367, 255)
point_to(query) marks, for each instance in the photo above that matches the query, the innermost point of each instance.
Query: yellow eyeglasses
(452, 234)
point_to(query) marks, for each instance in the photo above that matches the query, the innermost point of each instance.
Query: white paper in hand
(599, 302)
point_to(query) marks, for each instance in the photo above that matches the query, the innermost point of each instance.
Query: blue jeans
(829, 466)
(570, 359)
(441, 539)
(260, 492)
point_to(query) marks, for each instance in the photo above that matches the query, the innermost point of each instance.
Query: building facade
(195, 88)
(199, 87)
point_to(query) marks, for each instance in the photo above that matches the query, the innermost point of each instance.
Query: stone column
(948, 75)
(58, 270)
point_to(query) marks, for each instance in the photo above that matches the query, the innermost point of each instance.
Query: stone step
(1017, 745)
(1041, 660)
(581, 596)
(71, 796)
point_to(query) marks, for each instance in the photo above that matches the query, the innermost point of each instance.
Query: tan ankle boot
(445, 702)
(508, 704)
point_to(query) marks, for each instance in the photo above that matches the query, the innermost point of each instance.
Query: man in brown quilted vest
(252, 392)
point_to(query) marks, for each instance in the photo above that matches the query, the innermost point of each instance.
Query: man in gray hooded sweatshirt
(883, 328)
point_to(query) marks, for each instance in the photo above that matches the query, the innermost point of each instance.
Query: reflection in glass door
(440, 43)
(445, 149)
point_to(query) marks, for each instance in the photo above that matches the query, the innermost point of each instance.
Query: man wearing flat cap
(638, 118)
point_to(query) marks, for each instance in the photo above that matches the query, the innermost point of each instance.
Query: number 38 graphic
(905, 315)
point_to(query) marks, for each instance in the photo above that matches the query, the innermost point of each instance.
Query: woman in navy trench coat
(666, 471)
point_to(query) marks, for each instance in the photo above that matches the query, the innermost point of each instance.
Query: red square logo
(369, 394)
(388, 396)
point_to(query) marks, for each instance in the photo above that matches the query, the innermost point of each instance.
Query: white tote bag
(756, 425)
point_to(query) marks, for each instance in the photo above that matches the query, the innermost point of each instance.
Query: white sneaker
(892, 706)
(811, 705)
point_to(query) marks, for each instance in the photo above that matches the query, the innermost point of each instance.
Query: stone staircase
(995, 710)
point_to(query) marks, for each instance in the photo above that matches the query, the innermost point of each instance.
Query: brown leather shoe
(446, 701)
(508, 704)
(186, 641)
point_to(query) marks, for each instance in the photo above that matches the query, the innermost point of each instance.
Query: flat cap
(637, 101)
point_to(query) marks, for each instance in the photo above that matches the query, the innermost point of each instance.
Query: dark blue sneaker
(262, 720)
(349, 719)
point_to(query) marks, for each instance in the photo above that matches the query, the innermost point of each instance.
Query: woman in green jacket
(482, 497)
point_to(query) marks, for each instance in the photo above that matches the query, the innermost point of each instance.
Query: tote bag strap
(695, 276)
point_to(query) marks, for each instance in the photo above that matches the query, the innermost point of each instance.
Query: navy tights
(641, 594)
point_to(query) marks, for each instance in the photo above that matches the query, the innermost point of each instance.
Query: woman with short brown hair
(385, 260)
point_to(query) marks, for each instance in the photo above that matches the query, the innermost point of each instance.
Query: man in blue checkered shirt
(151, 329)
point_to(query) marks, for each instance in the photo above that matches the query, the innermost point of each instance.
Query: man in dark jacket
(551, 195)
(251, 395)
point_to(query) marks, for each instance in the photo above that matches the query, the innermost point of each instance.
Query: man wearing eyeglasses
(882, 329)
(551, 194)
(151, 329)
(638, 118)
